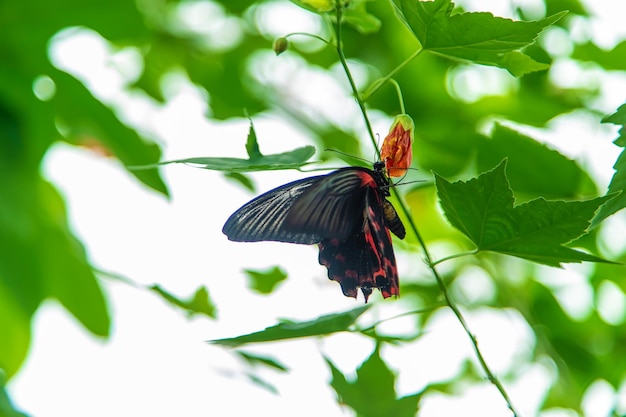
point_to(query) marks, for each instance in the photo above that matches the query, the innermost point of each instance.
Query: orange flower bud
(396, 150)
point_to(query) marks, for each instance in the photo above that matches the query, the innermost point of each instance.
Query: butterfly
(346, 212)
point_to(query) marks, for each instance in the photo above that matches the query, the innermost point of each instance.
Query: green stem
(310, 35)
(399, 92)
(381, 81)
(455, 309)
(457, 255)
(355, 91)
(442, 285)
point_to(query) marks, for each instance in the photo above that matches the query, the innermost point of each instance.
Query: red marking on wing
(365, 260)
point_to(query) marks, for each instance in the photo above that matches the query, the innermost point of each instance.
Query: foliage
(419, 46)
(372, 393)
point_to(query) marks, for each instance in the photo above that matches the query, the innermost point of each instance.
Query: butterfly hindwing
(366, 259)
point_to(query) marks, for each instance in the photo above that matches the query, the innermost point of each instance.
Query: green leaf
(199, 303)
(357, 16)
(254, 359)
(618, 182)
(241, 179)
(287, 160)
(315, 6)
(478, 37)
(550, 173)
(262, 383)
(252, 146)
(86, 119)
(323, 325)
(572, 6)
(618, 118)
(6, 406)
(14, 326)
(264, 282)
(482, 208)
(613, 59)
(39, 259)
(372, 393)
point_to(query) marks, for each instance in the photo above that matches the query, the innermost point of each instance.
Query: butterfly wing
(304, 211)
(366, 259)
(333, 207)
(263, 218)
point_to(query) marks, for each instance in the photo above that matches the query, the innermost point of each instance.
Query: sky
(157, 361)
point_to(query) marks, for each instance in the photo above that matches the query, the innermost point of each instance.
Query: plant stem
(455, 309)
(381, 81)
(442, 285)
(355, 91)
(456, 255)
(399, 92)
(310, 35)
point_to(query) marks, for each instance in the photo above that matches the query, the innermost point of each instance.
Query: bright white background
(157, 362)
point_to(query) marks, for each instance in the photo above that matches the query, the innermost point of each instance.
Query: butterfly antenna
(399, 182)
(346, 154)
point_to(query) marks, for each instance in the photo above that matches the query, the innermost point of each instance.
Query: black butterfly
(346, 212)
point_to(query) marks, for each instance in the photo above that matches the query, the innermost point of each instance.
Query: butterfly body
(345, 212)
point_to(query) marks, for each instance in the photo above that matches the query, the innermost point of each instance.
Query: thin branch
(442, 285)
(455, 309)
(456, 255)
(355, 91)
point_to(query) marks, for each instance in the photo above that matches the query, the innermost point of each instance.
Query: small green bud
(280, 45)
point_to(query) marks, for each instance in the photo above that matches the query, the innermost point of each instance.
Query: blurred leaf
(315, 6)
(85, 118)
(583, 347)
(372, 393)
(549, 174)
(478, 37)
(241, 179)
(262, 383)
(357, 16)
(14, 326)
(482, 208)
(39, 256)
(6, 406)
(39, 259)
(287, 160)
(572, 6)
(323, 325)
(223, 73)
(254, 359)
(618, 182)
(618, 118)
(264, 282)
(613, 59)
(199, 303)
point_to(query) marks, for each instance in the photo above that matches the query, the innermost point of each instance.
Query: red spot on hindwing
(365, 260)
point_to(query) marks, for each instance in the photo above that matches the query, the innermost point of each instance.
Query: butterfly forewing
(304, 211)
(332, 207)
(264, 217)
